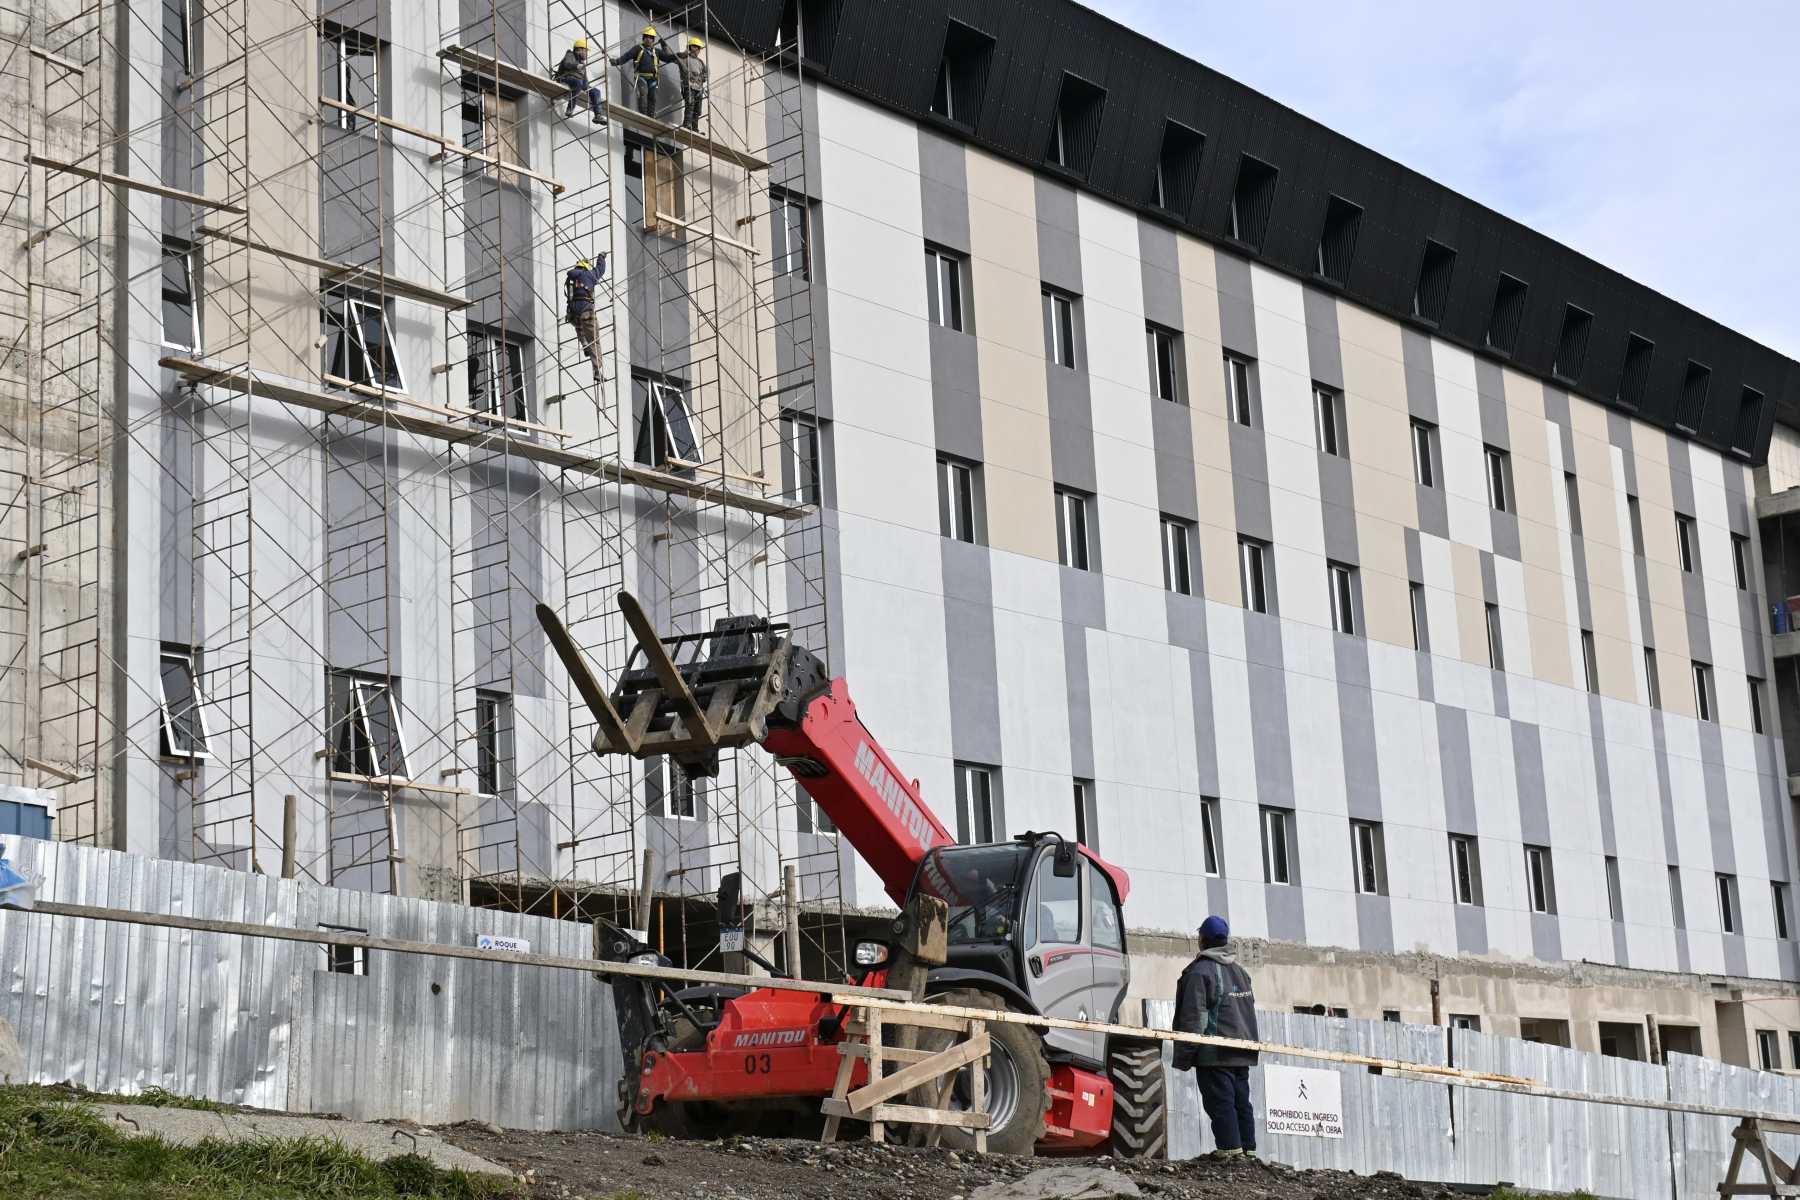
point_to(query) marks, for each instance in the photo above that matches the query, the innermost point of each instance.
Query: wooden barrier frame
(1780, 1178)
(873, 1101)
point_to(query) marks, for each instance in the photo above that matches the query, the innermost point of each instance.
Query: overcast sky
(1661, 137)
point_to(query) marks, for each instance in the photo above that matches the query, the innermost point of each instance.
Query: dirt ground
(598, 1166)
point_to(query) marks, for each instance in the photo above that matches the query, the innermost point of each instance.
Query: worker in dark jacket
(1214, 998)
(579, 286)
(646, 60)
(571, 72)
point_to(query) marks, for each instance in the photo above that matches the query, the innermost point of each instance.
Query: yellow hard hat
(581, 43)
(649, 31)
(583, 264)
(696, 44)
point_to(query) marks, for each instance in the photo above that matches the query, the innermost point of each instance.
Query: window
(1778, 893)
(1253, 566)
(1465, 869)
(1424, 442)
(1590, 669)
(183, 707)
(1768, 1050)
(1677, 907)
(666, 431)
(1278, 845)
(1239, 395)
(1496, 648)
(1165, 363)
(1615, 903)
(1177, 167)
(1728, 909)
(1507, 315)
(1499, 478)
(1431, 295)
(658, 192)
(490, 127)
(976, 821)
(1652, 681)
(800, 457)
(1794, 1048)
(1756, 705)
(1328, 421)
(1572, 346)
(1686, 542)
(810, 818)
(962, 73)
(493, 742)
(1740, 561)
(1703, 692)
(1075, 127)
(1465, 1021)
(956, 500)
(1252, 201)
(1545, 1031)
(1634, 375)
(1209, 835)
(1415, 594)
(1690, 413)
(672, 793)
(1391, 1015)
(1056, 917)
(1178, 549)
(1059, 327)
(180, 312)
(1749, 424)
(1636, 515)
(1083, 797)
(1572, 492)
(366, 736)
(1368, 858)
(790, 244)
(944, 287)
(1540, 882)
(1341, 579)
(1072, 528)
(1103, 911)
(358, 348)
(346, 960)
(350, 61)
(1337, 240)
(498, 381)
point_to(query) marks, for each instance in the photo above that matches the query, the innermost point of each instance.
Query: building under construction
(1162, 468)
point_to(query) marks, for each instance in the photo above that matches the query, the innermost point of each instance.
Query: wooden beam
(57, 60)
(377, 412)
(342, 272)
(944, 1062)
(142, 185)
(444, 144)
(911, 1114)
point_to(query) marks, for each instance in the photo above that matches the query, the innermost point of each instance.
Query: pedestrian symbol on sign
(1303, 1094)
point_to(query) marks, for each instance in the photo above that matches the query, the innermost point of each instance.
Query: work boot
(569, 109)
(1227, 1155)
(599, 120)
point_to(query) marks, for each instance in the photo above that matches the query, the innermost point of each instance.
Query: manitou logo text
(910, 816)
(770, 1037)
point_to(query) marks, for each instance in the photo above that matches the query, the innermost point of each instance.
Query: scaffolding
(382, 443)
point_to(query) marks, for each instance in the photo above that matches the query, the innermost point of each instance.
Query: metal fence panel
(241, 1020)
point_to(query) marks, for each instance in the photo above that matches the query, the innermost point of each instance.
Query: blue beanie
(1214, 932)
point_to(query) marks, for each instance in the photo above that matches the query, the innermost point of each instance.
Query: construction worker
(571, 72)
(1214, 997)
(579, 286)
(646, 59)
(693, 83)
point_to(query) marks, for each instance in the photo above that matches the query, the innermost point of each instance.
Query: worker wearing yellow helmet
(645, 61)
(693, 83)
(579, 286)
(572, 73)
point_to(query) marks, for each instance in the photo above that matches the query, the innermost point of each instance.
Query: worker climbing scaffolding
(579, 285)
(645, 61)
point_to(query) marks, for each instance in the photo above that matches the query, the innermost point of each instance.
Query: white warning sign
(1309, 1103)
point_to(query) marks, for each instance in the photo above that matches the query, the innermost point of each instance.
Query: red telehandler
(1034, 924)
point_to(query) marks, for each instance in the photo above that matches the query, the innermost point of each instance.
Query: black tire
(1140, 1123)
(1018, 1080)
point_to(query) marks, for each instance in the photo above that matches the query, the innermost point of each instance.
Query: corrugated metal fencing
(1432, 1132)
(242, 1020)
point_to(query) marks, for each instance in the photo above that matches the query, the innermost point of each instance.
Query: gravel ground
(599, 1166)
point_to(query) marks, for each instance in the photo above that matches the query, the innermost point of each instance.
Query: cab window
(1102, 911)
(1056, 905)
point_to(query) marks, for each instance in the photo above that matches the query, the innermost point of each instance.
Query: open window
(366, 735)
(1572, 346)
(1508, 313)
(1337, 239)
(1634, 374)
(800, 457)
(1075, 126)
(359, 347)
(790, 250)
(672, 793)
(962, 74)
(1177, 167)
(493, 742)
(667, 433)
(350, 73)
(490, 119)
(498, 380)
(183, 707)
(1694, 387)
(653, 190)
(1431, 295)
(1749, 421)
(180, 307)
(1252, 201)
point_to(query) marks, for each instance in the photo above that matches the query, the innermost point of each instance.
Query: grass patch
(51, 1147)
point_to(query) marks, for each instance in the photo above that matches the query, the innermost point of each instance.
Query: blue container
(1779, 617)
(25, 820)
